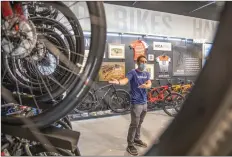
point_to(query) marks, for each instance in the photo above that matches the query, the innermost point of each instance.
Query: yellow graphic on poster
(112, 70)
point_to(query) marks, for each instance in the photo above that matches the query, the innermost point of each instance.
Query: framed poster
(112, 70)
(150, 69)
(151, 57)
(162, 46)
(116, 51)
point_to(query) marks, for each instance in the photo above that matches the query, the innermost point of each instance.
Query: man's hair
(142, 56)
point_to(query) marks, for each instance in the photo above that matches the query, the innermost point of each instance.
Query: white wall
(133, 20)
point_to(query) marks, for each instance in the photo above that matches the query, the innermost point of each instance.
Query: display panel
(187, 60)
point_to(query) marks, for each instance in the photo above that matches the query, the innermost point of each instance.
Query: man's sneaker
(132, 150)
(140, 143)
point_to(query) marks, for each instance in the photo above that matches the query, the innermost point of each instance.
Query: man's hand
(143, 86)
(114, 81)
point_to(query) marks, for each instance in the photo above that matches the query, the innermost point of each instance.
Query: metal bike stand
(56, 137)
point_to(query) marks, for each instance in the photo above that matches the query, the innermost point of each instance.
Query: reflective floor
(107, 136)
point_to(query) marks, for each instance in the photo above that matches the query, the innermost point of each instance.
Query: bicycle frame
(110, 86)
(160, 94)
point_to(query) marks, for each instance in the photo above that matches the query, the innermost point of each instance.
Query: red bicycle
(163, 97)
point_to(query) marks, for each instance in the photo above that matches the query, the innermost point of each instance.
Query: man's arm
(147, 84)
(120, 82)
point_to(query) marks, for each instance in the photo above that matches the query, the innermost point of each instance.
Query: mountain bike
(119, 100)
(183, 89)
(164, 98)
(42, 55)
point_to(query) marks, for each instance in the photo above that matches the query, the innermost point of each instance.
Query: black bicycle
(119, 100)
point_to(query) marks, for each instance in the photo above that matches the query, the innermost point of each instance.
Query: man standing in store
(139, 82)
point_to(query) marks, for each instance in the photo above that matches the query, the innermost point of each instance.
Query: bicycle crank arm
(55, 51)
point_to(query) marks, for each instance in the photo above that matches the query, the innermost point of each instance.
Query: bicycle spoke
(69, 7)
(43, 81)
(33, 96)
(54, 80)
(17, 87)
(55, 51)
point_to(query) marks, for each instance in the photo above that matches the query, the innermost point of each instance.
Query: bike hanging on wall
(42, 54)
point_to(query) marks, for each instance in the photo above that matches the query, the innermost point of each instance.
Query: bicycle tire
(127, 99)
(205, 108)
(165, 104)
(93, 99)
(84, 82)
(185, 95)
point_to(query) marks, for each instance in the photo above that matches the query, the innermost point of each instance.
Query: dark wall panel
(178, 47)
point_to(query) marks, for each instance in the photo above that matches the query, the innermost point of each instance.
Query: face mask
(141, 66)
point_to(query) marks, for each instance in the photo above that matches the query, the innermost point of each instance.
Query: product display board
(139, 47)
(116, 51)
(112, 70)
(206, 51)
(163, 62)
(186, 60)
(150, 69)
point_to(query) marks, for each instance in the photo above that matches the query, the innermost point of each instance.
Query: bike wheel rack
(55, 137)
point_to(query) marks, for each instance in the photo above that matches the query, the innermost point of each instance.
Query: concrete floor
(107, 136)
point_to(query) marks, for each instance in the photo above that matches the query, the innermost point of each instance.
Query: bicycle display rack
(92, 115)
(56, 137)
(99, 114)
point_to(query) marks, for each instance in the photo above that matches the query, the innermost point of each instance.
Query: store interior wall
(181, 27)
(192, 48)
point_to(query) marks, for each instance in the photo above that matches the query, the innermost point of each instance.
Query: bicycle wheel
(44, 88)
(179, 105)
(120, 101)
(87, 104)
(171, 102)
